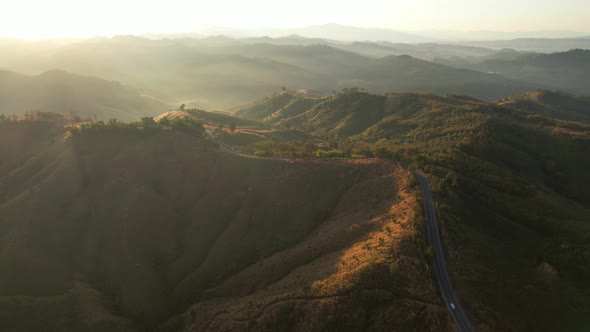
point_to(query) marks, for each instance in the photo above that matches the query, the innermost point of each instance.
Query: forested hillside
(525, 166)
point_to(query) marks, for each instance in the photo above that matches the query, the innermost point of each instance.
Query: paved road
(442, 274)
(226, 149)
(222, 147)
(440, 267)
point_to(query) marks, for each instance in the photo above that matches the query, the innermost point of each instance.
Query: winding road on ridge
(440, 267)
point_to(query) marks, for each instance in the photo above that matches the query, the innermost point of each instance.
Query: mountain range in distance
(224, 73)
(340, 32)
(58, 91)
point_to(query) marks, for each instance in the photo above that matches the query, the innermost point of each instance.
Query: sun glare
(33, 19)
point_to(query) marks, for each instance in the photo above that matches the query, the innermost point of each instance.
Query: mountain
(325, 62)
(181, 71)
(535, 44)
(222, 73)
(349, 33)
(510, 185)
(331, 31)
(404, 73)
(423, 51)
(568, 71)
(552, 104)
(339, 32)
(375, 49)
(205, 117)
(62, 92)
(108, 227)
(499, 36)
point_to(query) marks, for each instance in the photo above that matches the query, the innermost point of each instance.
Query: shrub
(188, 126)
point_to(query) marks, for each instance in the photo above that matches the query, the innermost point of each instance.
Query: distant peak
(55, 72)
(295, 36)
(332, 24)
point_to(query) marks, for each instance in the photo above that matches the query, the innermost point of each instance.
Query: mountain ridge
(58, 91)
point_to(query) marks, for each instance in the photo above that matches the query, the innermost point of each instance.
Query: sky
(33, 19)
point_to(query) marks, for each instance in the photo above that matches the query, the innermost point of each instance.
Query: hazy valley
(223, 73)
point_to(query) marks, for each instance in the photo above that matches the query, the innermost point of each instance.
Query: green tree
(182, 107)
(75, 118)
(164, 122)
(381, 152)
(189, 126)
(114, 123)
(232, 127)
(148, 121)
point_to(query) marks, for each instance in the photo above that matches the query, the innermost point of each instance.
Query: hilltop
(347, 113)
(251, 137)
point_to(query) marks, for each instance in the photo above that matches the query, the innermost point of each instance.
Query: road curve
(222, 147)
(440, 267)
(226, 149)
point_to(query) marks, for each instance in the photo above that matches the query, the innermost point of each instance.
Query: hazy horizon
(321, 31)
(81, 19)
